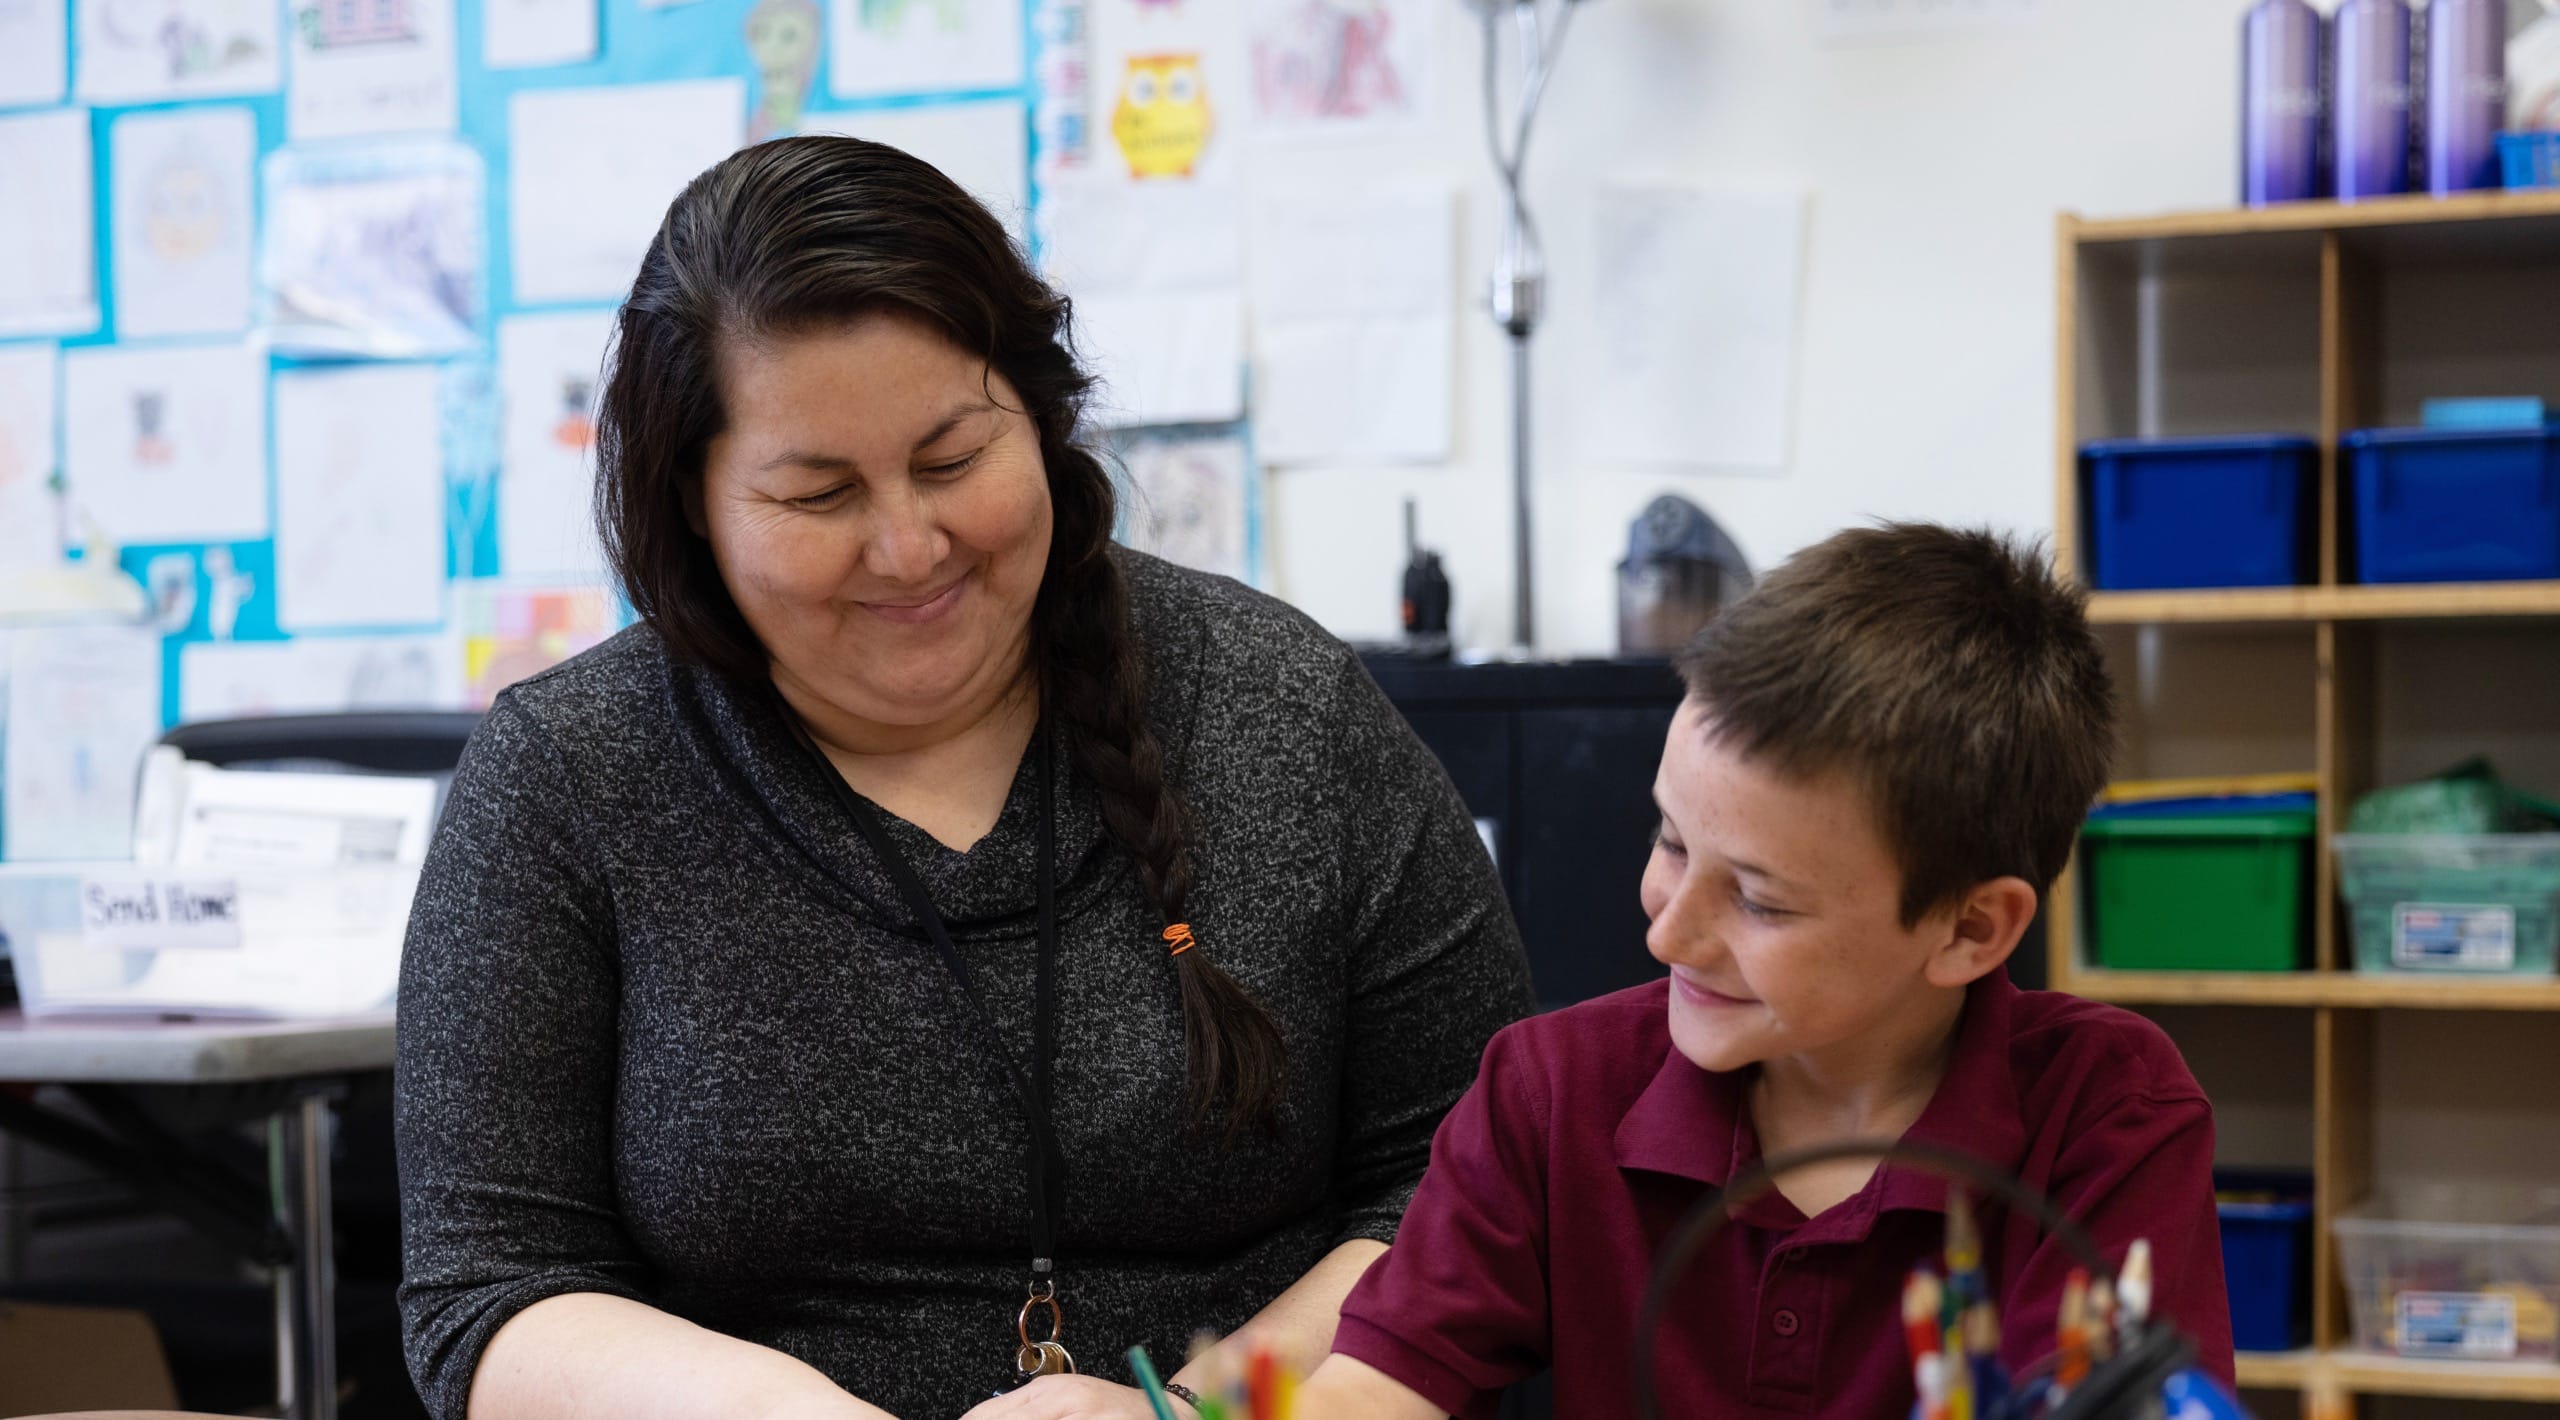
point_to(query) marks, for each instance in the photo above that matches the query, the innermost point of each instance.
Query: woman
(932, 928)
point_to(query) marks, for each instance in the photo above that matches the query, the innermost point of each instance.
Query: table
(311, 1060)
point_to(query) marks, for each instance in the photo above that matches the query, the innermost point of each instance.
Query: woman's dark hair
(806, 234)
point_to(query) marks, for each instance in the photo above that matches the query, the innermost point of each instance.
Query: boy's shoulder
(2085, 1056)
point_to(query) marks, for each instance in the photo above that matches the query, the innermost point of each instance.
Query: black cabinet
(1556, 761)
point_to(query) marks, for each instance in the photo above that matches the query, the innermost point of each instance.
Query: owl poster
(182, 219)
(1162, 121)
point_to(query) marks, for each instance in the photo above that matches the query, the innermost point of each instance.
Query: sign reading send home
(160, 912)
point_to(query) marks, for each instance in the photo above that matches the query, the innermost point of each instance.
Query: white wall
(1924, 383)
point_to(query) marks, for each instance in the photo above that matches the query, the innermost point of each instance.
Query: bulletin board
(307, 342)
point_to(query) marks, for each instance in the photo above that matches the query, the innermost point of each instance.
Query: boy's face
(1777, 905)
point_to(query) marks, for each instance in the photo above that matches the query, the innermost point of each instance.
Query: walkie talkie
(1426, 587)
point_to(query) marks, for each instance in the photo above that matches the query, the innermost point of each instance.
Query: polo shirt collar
(1694, 1124)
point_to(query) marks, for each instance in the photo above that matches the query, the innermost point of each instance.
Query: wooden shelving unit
(2315, 318)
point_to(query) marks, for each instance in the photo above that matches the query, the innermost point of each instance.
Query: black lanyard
(1046, 1165)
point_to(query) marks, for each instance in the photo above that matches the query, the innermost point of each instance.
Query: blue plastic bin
(2266, 1259)
(2456, 505)
(2529, 159)
(2228, 512)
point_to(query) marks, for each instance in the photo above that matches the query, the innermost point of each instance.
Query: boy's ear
(1985, 930)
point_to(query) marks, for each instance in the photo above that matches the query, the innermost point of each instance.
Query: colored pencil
(2073, 1326)
(2133, 1286)
(1148, 1382)
(1920, 1300)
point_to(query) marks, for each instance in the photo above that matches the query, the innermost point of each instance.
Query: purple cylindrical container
(2279, 102)
(2369, 97)
(2466, 92)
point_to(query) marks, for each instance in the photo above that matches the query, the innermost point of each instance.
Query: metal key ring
(1057, 1319)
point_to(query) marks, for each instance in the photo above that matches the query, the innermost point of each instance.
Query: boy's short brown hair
(1949, 670)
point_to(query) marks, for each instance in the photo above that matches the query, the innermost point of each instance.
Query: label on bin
(2463, 1326)
(157, 912)
(2464, 938)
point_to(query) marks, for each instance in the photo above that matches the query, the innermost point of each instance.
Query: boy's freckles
(1776, 902)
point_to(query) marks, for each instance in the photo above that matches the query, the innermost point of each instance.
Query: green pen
(1147, 1382)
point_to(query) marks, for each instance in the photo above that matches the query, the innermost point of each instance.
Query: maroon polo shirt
(1587, 1136)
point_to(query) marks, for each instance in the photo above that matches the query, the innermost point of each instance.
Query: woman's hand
(1073, 1398)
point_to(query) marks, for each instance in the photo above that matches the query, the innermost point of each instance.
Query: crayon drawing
(882, 47)
(134, 51)
(375, 253)
(182, 219)
(1342, 65)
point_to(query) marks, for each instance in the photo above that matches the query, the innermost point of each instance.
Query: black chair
(204, 1171)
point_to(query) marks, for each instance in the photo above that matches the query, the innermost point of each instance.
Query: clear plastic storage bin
(2462, 1272)
(2484, 903)
(118, 939)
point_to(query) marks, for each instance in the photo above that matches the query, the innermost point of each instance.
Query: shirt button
(1786, 1322)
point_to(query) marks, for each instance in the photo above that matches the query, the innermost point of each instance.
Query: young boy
(1884, 755)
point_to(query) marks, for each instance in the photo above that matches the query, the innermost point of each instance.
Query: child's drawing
(890, 16)
(134, 50)
(782, 37)
(881, 47)
(151, 446)
(182, 221)
(379, 256)
(1338, 62)
(345, 24)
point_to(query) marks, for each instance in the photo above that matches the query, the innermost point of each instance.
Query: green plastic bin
(2211, 892)
(2443, 902)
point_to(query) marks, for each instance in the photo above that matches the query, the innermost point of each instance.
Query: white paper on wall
(82, 708)
(166, 443)
(1355, 327)
(140, 51)
(370, 66)
(35, 52)
(30, 516)
(549, 373)
(1190, 500)
(1870, 21)
(183, 217)
(593, 169)
(1697, 296)
(320, 675)
(984, 145)
(360, 496)
(530, 34)
(877, 48)
(48, 256)
(373, 250)
(1156, 273)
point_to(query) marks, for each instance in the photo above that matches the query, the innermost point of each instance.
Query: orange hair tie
(1180, 935)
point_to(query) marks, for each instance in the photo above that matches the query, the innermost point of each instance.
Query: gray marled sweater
(650, 1047)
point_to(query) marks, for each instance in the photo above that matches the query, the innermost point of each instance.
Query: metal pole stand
(300, 1140)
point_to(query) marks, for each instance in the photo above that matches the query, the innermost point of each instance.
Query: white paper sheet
(1697, 296)
(382, 67)
(138, 51)
(1190, 501)
(35, 52)
(882, 47)
(1343, 68)
(530, 34)
(167, 443)
(984, 146)
(1355, 328)
(1156, 273)
(549, 373)
(48, 260)
(183, 215)
(319, 675)
(83, 706)
(592, 171)
(360, 495)
(30, 518)
(373, 251)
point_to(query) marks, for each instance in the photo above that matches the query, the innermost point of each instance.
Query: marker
(2102, 1319)
(1147, 1381)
